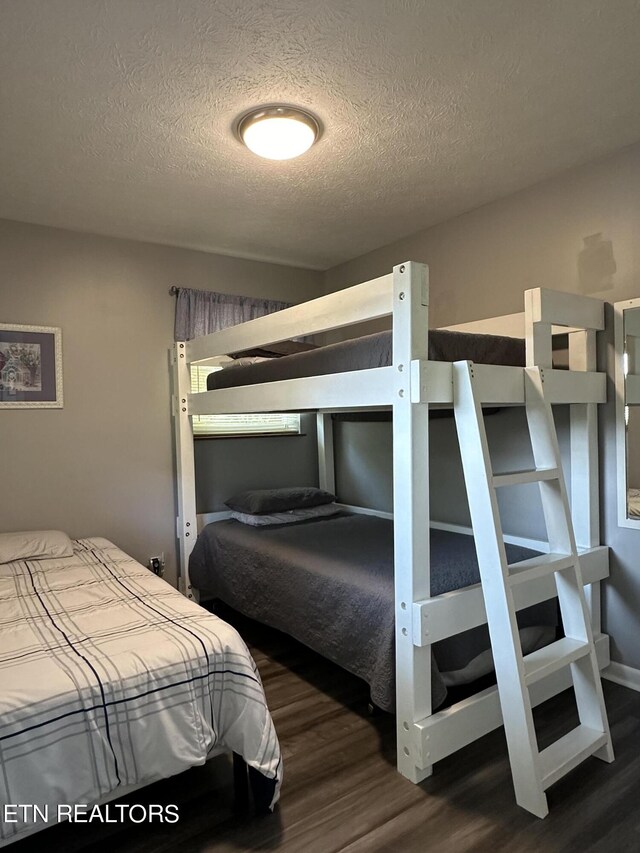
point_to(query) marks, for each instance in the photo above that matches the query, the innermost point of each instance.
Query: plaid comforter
(110, 678)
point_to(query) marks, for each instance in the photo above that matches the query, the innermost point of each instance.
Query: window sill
(247, 435)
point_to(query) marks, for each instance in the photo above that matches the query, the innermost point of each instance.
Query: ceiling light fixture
(278, 133)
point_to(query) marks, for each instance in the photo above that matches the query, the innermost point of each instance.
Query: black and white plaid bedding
(110, 678)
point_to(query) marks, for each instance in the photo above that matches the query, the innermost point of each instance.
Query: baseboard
(533, 544)
(627, 676)
(363, 510)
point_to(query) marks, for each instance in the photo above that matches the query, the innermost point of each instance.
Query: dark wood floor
(341, 791)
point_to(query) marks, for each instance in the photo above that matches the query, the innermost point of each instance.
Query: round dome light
(278, 133)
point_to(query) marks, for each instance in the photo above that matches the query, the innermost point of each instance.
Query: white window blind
(278, 423)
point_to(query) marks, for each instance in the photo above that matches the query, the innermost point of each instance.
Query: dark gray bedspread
(329, 584)
(371, 351)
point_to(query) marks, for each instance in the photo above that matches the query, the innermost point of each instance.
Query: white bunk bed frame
(409, 386)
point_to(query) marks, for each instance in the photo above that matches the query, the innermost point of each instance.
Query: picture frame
(30, 367)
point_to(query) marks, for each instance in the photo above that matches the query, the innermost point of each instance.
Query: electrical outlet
(156, 564)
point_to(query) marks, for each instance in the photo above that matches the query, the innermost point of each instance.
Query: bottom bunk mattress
(329, 584)
(110, 678)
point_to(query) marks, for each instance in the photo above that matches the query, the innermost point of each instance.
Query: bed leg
(240, 783)
(373, 710)
(246, 778)
(262, 791)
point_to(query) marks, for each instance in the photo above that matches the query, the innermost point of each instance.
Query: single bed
(110, 679)
(329, 584)
(371, 351)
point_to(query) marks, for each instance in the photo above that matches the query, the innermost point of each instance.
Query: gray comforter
(329, 584)
(371, 351)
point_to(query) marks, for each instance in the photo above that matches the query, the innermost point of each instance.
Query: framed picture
(30, 367)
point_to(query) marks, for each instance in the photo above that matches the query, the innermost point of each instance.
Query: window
(278, 423)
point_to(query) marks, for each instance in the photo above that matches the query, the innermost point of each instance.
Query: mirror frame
(622, 484)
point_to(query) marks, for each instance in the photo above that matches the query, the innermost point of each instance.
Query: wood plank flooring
(341, 791)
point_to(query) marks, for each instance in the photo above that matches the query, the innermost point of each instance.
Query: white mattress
(110, 678)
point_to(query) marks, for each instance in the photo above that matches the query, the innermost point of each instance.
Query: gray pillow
(259, 501)
(292, 516)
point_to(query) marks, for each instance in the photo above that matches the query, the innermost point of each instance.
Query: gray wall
(102, 466)
(364, 468)
(577, 232)
(226, 467)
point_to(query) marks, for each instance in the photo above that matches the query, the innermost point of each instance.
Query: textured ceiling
(116, 116)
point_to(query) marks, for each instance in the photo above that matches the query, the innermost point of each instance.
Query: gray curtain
(200, 312)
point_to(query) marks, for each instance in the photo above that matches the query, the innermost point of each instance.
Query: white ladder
(533, 771)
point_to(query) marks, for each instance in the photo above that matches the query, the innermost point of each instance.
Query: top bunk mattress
(368, 352)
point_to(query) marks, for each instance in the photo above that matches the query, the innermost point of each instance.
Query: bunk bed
(401, 371)
(112, 680)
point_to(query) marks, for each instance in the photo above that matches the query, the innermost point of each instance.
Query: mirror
(627, 343)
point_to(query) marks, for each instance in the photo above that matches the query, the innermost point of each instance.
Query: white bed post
(585, 507)
(585, 503)
(326, 465)
(411, 510)
(539, 340)
(186, 523)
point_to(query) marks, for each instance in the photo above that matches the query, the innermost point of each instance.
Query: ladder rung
(565, 754)
(532, 475)
(550, 658)
(539, 567)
